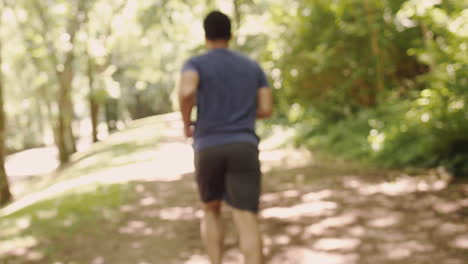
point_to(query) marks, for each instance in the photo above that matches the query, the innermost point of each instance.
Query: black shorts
(231, 173)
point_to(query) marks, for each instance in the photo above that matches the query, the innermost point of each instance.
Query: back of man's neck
(218, 45)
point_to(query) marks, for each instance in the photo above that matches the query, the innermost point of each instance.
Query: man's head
(217, 27)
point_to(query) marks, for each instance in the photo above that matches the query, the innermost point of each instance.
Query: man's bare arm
(264, 103)
(187, 95)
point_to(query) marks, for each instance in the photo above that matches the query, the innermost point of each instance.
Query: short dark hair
(217, 26)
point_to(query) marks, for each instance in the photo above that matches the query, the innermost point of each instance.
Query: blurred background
(382, 82)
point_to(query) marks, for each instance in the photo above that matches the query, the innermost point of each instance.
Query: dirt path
(311, 213)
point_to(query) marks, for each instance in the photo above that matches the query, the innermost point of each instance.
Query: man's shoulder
(245, 60)
(244, 57)
(195, 61)
(196, 58)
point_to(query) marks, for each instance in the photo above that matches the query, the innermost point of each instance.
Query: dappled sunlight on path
(26, 167)
(335, 216)
(31, 162)
(312, 212)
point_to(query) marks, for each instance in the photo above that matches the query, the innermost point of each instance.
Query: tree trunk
(65, 137)
(64, 154)
(94, 117)
(5, 194)
(375, 46)
(111, 108)
(42, 92)
(40, 119)
(93, 103)
(427, 37)
(237, 14)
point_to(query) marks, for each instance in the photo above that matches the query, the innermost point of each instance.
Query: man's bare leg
(212, 231)
(249, 236)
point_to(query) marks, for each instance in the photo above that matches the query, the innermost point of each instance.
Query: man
(230, 92)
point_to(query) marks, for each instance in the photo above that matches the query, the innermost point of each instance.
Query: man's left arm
(189, 80)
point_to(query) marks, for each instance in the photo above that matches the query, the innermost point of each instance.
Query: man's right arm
(264, 103)
(187, 93)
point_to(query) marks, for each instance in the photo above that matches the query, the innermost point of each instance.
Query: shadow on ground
(344, 216)
(311, 213)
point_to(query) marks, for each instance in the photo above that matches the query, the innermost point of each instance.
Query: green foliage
(78, 198)
(378, 80)
(132, 51)
(329, 81)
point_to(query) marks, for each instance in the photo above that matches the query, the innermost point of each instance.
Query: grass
(120, 149)
(77, 208)
(59, 220)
